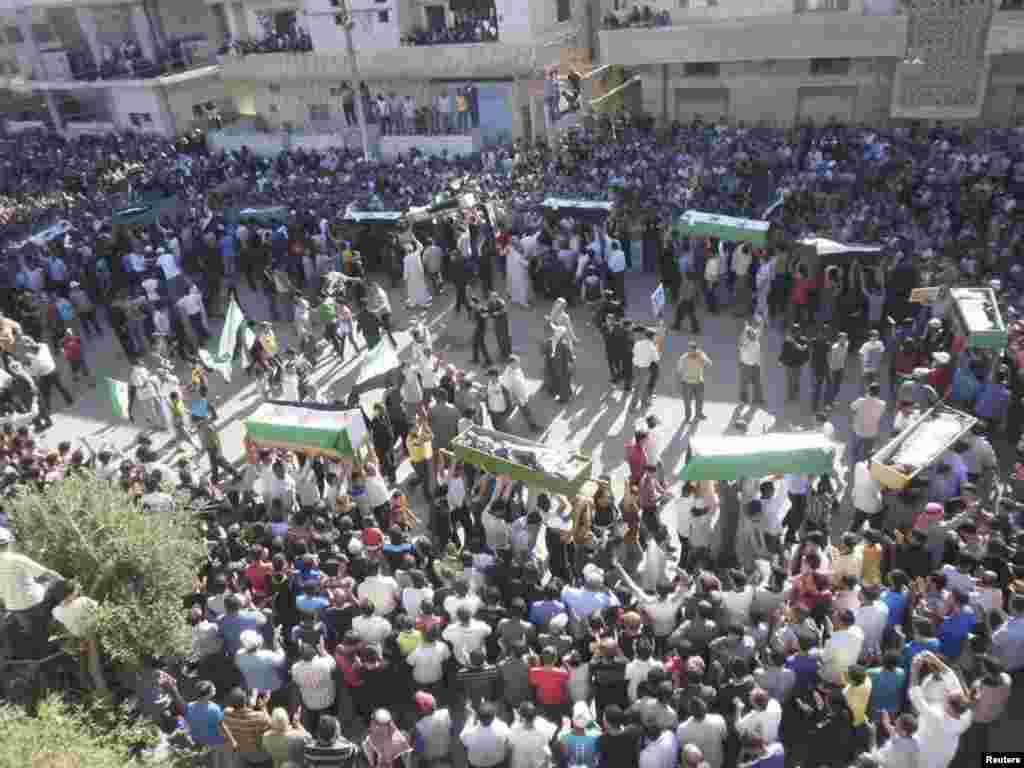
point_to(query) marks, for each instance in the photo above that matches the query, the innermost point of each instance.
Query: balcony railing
(815, 6)
(73, 64)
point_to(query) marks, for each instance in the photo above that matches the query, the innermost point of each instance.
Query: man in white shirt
(382, 591)
(280, 484)
(191, 307)
(19, 589)
(866, 496)
(371, 628)
(645, 367)
(764, 716)
(750, 362)
(843, 648)
(314, 677)
(872, 618)
(654, 444)
(428, 658)
(462, 598)
(866, 423)
(662, 747)
(485, 737)
(466, 635)
(530, 738)
(168, 264)
(43, 369)
(515, 383)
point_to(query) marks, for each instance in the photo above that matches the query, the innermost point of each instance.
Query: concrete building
(772, 61)
(103, 65)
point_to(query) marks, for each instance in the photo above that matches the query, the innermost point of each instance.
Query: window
(319, 113)
(42, 33)
(275, 88)
(13, 35)
(383, 16)
(830, 66)
(702, 69)
(564, 9)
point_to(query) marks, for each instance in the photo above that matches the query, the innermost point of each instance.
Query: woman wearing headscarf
(385, 745)
(517, 265)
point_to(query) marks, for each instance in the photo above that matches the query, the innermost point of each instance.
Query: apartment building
(166, 65)
(93, 66)
(419, 55)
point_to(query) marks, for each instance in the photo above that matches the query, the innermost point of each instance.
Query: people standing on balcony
(462, 110)
(348, 102)
(441, 113)
(397, 114)
(384, 111)
(409, 115)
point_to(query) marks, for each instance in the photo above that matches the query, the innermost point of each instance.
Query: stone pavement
(596, 422)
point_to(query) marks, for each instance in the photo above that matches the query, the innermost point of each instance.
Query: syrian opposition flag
(221, 356)
(379, 361)
(118, 394)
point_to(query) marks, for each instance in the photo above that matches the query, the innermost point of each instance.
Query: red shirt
(72, 348)
(637, 458)
(550, 684)
(802, 290)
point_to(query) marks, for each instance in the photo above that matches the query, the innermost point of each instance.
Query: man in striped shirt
(246, 726)
(330, 749)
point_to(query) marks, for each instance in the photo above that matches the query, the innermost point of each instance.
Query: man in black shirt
(498, 311)
(479, 313)
(479, 681)
(620, 742)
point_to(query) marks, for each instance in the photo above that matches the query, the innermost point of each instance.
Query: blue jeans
(861, 448)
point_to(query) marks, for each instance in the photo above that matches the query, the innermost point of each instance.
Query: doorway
(435, 18)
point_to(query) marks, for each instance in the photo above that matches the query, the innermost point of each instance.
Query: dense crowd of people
(470, 617)
(469, 29)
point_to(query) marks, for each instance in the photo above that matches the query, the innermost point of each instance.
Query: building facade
(168, 65)
(103, 65)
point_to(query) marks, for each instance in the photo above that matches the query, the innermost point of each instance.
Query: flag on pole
(379, 361)
(221, 357)
(118, 393)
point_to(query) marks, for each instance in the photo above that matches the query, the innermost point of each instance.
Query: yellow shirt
(419, 451)
(871, 575)
(857, 697)
(409, 641)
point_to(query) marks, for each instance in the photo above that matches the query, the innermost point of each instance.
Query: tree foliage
(137, 565)
(63, 737)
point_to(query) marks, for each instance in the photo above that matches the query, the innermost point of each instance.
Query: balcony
(780, 36)
(1006, 34)
(76, 67)
(469, 61)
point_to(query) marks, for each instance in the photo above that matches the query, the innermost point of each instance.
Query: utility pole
(346, 12)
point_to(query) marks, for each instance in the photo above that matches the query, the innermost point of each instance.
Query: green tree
(137, 565)
(66, 737)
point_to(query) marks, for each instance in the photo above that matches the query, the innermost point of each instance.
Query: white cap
(581, 714)
(941, 358)
(251, 640)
